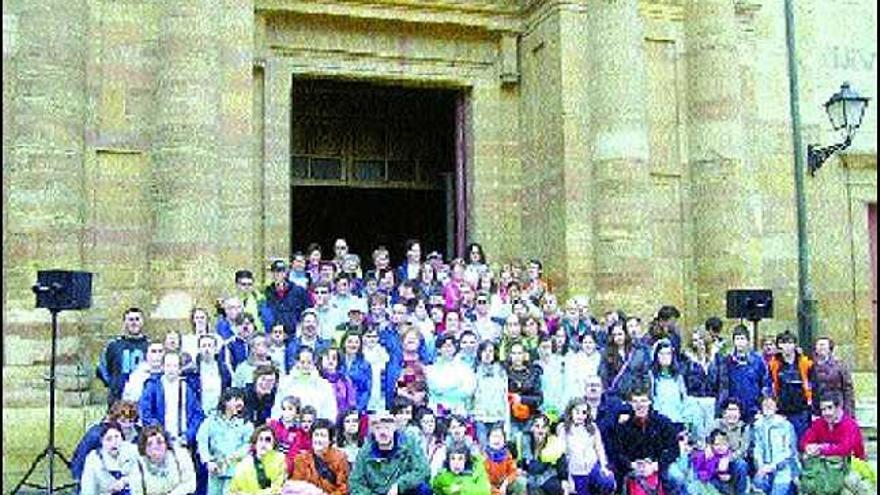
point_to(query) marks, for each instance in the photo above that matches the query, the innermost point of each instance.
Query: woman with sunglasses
(162, 467)
(264, 470)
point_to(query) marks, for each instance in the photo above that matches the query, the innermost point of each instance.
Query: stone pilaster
(185, 172)
(43, 147)
(621, 185)
(276, 160)
(721, 222)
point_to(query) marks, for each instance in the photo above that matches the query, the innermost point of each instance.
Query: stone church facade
(641, 149)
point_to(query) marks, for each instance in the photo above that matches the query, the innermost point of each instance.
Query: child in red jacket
(501, 465)
(292, 438)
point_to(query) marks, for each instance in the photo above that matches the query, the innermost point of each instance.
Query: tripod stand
(50, 451)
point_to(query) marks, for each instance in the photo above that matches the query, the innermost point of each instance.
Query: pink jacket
(843, 439)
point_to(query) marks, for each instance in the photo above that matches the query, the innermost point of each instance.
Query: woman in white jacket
(451, 382)
(107, 469)
(162, 468)
(305, 383)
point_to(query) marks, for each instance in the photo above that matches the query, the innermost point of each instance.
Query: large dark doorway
(373, 164)
(368, 218)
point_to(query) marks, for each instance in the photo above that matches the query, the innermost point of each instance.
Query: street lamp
(845, 109)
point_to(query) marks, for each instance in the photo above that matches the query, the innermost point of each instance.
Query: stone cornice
(485, 15)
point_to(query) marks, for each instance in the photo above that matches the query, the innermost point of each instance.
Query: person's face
(437, 314)
(517, 356)
(265, 443)
(245, 284)
(588, 344)
(634, 328)
(351, 424)
(398, 313)
(155, 353)
(487, 356)
(496, 439)
(352, 344)
(377, 310)
(457, 430)
(310, 325)
(289, 412)
(475, 256)
(246, 329)
(327, 272)
(306, 421)
(403, 417)
(298, 263)
(342, 286)
(830, 412)
(571, 311)
(415, 253)
(411, 342)
(641, 405)
(200, 322)
(823, 348)
(388, 279)
(428, 424)
(469, 344)
(593, 388)
(579, 415)
(664, 356)
(720, 446)
(156, 448)
(427, 273)
(371, 339)
(618, 336)
(768, 407)
(512, 326)
(355, 317)
(315, 257)
(532, 327)
(340, 248)
(740, 343)
(451, 321)
(330, 361)
(134, 323)
(110, 442)
(787, 347)
(207, 347)
(534, 271)
(320, 440)
(305, 363)
(350, 265)
(448, 349)
(584, 309)
(233, 407)
(383, 433)
(539, 429)
(513, 292)
(482, 305)
(550, 305)
(261, 347)
(322, 296)
(171, 366)
(545, 349)
(277, 334)
(732, 414)
(458, 272)
(421, 311)
(279, 276)
(382, 261)
(232, 309)
(559, 338)
(265, 383)
(697, 341)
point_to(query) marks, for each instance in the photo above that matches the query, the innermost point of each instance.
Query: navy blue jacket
(233, 352)
(121, 356)
(224, 329)
(151, 407)
(745, 379)
(699, 382)
(629, 441)
(257, 410)
(286, 310)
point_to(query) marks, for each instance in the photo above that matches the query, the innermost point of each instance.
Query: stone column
(621, 181)
(716, 153)
(186, 177)
(276, 165)
(42, 146)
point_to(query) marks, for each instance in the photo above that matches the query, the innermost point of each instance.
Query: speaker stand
(50, 452)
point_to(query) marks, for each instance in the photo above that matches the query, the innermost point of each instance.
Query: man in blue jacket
(123, 354)
(742, 375)
(285, 301)
(168, 400)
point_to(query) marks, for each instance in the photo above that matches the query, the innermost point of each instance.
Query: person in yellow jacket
(264, 470)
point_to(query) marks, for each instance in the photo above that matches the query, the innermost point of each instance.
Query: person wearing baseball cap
(285, 301)
(388, 462)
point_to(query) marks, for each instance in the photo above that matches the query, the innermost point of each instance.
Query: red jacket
(843, 439)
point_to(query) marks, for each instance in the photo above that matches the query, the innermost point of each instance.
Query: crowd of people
(460, 378)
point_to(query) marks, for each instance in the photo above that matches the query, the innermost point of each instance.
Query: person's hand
(566, 487)
(393, 489)
(765, 471)
(623, 418)
(213, 467)
(606, 471)
(724, 463)
(724, 477)
(708, 452)
(118, 485)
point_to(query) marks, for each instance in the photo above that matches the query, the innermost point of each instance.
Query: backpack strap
(143, 476)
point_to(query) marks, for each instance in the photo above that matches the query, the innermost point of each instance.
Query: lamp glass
(854, 112)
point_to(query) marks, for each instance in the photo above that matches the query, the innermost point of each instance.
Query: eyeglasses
(246, 284)
(265, 438)
(321, 292)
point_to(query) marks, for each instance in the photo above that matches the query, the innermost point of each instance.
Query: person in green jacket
(389, 464)
(462, 474)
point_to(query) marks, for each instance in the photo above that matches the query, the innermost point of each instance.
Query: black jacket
(657, 441)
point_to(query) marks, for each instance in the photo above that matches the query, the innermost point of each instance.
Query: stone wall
(641, 149)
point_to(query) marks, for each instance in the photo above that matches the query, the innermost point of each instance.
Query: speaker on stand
(753, 305)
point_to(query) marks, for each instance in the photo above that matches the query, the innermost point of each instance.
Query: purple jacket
(346, 397)
(706, 469)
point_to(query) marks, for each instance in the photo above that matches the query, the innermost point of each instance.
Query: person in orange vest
(792, 375)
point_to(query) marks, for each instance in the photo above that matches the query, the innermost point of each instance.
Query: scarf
(496, 455)
(262, 478)
(324, 469)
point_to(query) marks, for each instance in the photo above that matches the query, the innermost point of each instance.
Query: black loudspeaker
(750, 304)
(63, 289)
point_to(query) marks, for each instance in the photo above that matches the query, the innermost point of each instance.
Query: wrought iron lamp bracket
(817, 155)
